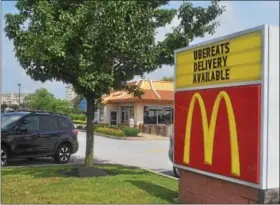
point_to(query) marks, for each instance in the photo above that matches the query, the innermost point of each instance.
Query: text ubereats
(210, 63)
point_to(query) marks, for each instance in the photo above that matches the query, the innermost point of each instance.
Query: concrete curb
(112, 137)
(158, 173)
(108, 136)
(139, 138)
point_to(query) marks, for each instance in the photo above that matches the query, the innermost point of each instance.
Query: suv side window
(64, 123)
(31, 122)
(48, 123)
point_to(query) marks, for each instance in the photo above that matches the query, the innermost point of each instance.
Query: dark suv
(37, 134)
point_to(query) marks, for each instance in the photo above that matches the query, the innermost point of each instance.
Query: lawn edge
(158, 173)
(41, 165)
(110, 164)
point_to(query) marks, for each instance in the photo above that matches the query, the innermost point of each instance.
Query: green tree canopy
(4, 106)
(100, 45)
(13, 106)
(41, 100)
(62, 106)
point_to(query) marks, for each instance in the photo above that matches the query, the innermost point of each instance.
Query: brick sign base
(200, 189)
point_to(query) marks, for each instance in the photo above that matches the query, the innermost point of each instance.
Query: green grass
(123, 185)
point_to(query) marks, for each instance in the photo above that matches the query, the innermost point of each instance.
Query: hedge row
(130, 132)
(84, 122)
(80, 127)
(79, 122)
(119, 131)
(80, 117)
(110, 131)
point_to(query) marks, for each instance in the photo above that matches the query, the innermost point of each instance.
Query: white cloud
(161, 32)
(229, 22)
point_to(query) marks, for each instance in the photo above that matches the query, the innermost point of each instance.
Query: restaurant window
(158, 115)
(101, 114)
(150, 115)
(126, 113)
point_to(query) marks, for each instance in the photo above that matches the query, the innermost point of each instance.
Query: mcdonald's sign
(217, 131)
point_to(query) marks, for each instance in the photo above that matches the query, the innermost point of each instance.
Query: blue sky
(239, 15)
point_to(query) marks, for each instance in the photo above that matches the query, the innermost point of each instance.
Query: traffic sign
(83, 105)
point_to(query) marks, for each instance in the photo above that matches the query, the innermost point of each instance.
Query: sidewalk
(141, 136)
(145, 136)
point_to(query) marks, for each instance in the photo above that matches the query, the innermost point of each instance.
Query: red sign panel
(218, 130)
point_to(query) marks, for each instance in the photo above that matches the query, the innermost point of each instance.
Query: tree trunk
(90, 132)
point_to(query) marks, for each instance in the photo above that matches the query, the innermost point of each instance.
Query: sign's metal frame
(264, 96)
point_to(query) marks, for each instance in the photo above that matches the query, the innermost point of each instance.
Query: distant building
(70, 93)
(12, 98)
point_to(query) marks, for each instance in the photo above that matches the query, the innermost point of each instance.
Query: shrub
(119, 130)
(110, 131)
(80, 127)
(102, 125)
(121, 126)
(81, 117)
(79, 122)
(73, 116)
(114, 127)
(130, 131)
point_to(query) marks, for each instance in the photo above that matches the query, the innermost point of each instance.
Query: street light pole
(19, 94)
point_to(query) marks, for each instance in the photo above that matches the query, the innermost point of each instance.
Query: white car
(170, 153)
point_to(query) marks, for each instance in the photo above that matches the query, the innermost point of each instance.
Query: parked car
(37, 134)
(170, 153)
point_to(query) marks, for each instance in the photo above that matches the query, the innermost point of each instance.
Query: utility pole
(19, 94)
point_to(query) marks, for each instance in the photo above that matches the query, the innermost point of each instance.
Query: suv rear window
(48, 123)
(64, 123)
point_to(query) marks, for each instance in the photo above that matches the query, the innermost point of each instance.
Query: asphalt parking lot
(146, 154)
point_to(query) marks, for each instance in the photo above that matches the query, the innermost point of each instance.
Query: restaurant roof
(154, 91)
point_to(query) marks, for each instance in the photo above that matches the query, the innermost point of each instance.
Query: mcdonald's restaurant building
(152, 113)
(226, 119)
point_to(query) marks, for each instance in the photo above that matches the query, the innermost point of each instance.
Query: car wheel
(176, 172)
(63, 154)
(4, 156)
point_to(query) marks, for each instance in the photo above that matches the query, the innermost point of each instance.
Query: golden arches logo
(209, 131)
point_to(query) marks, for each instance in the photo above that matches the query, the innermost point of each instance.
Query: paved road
(147, 154)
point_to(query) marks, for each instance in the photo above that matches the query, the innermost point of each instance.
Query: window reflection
(158, 115)
(126, 113)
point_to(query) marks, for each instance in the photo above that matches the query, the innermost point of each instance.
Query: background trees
(76, 102)
(4, 106)
(168, 78)
(43, 100)
(99, 45)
